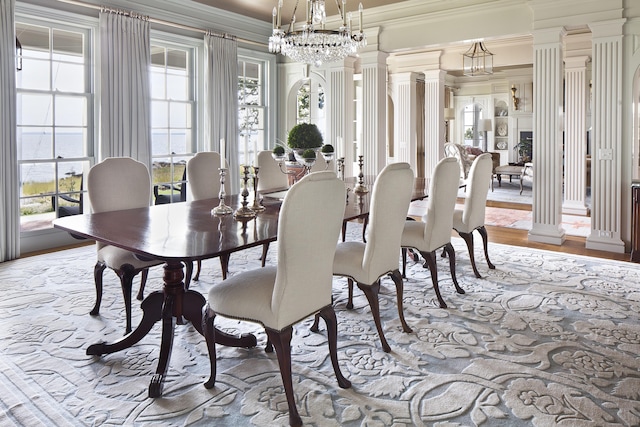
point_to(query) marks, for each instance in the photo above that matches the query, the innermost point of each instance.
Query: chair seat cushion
(247, 296)
(458, 225)
(348, 261)
(115, 257)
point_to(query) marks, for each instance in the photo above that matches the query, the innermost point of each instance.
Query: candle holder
(341, 168)
(221, 209)
(245, 212)
(360, 188)
(257, 207)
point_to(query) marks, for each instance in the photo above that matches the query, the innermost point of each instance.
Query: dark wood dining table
(179, 233)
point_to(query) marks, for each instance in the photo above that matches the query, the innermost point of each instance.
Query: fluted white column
(606, 161)
(547, 137)
(374, 111)
(434, 81)
(404, 95)
(340, 95)
(575, 147)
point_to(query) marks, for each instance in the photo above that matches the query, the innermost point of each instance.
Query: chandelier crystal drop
(313, 43)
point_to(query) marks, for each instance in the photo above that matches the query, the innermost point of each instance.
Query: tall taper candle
(223, 154)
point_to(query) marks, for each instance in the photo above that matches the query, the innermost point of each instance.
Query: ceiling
(263, 9)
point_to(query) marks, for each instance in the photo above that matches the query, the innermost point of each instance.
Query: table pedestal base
(170, 306)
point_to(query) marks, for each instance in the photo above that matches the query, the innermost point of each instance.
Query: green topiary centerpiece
(303, 136)
(327, 149)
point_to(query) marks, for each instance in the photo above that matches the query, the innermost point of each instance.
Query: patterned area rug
(544, 339)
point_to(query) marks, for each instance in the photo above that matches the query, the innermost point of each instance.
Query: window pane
(158, 56)
(71, 111)
(35, 143)
(160, 140)
(70, 177)
(252, 71)
(68, 77)
(33, 37)
(34, 75)
(179, 139)
(35, 110)
(177, 59)
(70, 142)
(179, 114)
(177, 87)
(37, 178)
(67, 43)
(160, 114)
(158, 83)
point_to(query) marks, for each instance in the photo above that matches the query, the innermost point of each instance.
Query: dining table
(180, 233)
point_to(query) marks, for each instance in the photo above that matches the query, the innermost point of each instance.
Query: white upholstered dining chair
(434, 231)
(471, 217)
(203, 178)
(299, 285)
(366, 263)
(270, 177)
(119, 183)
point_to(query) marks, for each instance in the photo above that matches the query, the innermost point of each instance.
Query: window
(472, 136)
(310, 104)
(172, 118)
(252, 114)
(55, 134)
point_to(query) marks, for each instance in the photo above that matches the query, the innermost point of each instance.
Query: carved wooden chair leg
(468, 239)
(143, 282)
(350, 292)
(329, 315)
(98, 270)
(199, 267)
(430, 258)
(208, 330)
(452, 266)
(404, 263)
(371, 292)
(265, 249)
(397, 279)
(485, 242)
(282, 342)
(127, 273)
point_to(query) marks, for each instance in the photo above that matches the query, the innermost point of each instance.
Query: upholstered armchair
(366, 263)
(119, 183)
(280, 296)
(459, 152)
(434, 232)
(471, 217)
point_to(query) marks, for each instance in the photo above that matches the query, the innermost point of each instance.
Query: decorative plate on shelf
(501, 129)
(502, 145)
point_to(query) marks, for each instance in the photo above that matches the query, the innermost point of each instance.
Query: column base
(551, 234)
(575, 207)
(599, 240)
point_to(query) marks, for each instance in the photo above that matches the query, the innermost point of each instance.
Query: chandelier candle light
(314, 44)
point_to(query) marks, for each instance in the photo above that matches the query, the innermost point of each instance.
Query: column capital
(605, 29)
(576, 62)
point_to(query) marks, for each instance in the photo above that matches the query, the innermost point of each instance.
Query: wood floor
(515, 237)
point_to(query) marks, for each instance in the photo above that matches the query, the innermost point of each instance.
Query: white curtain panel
(10, 211)
(221, 101)
(125, 119)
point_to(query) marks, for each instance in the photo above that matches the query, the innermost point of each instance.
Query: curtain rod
(163, 22)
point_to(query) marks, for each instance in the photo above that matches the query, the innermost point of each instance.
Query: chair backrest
(118, 183)
(308, 229)
(203, 176)
(390, 199)
(460, 153)
(443, 192)
(321, 165)
(478, 187)
(269, 175)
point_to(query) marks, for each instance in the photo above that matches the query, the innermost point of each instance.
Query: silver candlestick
(360, 188)
(257, 207)
(341, 168)
(221, 209)
(245, 212)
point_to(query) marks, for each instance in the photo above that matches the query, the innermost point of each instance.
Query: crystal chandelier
(477, 61)
(313, 44)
